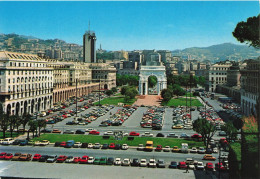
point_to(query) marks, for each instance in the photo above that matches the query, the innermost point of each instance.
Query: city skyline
(129, 25)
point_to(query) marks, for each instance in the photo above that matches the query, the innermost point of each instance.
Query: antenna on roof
(89, 25)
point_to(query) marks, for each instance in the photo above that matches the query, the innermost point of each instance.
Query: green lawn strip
(137, 140)
(8, 134)
(188, 95)
(115, 101)
(182, 102)
(237, 150)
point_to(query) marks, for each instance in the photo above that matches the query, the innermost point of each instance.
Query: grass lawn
(182, 102)
(115, 101)
(188, 94)
(8, 134)
(137, 140)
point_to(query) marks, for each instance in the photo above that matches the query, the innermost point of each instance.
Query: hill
(219, 52)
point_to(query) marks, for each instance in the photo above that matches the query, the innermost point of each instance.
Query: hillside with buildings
(218, 52)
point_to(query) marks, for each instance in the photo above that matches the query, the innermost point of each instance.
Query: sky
(133, 25)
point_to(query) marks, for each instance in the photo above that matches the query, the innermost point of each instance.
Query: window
(9, 80)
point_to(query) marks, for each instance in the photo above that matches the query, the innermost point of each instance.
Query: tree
(41, 124)
(248, 31)
(25, 119)
(205, 129)
(238, 123)
(127, 98)
(166, 94)
(18, 122)
(152, 81)
(230, 130)
(109, 92)
(131, 92)
(123, 90)
(12, 121)
(33, 124)
(114, 89)
(4, 122)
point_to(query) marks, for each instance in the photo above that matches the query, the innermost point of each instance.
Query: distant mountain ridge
(219, 52)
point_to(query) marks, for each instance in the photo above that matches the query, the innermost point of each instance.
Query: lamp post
(99, 93)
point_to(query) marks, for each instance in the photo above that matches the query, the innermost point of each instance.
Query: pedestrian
(187, 169)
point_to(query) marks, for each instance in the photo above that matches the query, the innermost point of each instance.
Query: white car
(200, 166)
(147, 134)
(8, 141)
(91, 160)
(215, 150)
(69, 159)
(109, 133)
(167, 149)
(152, 163)
(44, 142)
(90, 129)
(143, 163)
(117, 161)
(191, 166)
(125, 147)
(90, 145)
(81, 123)
(126, 134)
(77, 144)
(126, 162)
(193, 150)
(140, 147)
(1, 141)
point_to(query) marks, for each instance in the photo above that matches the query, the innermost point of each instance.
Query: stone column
(146, 87)
(140, 87)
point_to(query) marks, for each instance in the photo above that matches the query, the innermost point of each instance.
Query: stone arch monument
(146, 72)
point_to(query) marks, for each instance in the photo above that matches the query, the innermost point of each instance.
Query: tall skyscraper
(89, 47)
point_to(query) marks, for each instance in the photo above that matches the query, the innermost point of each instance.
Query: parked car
(2, 155)
(94, 132)
(16, 156)
(16, 142)
(43, 158)
(140, 147)
(105, 146)
(76, 159)
(173, 164)
(77, 145)
(125, 147)
(182, 165)
(209, 157)
(68, 131)
(69, 159)
(172, 135)
(56, 131)
(160, 163)
(84, 145)
(97, 161)
(176, 149)
(96, 146)
(69, 143)
(110, 133)
(79, 131)
(117, 161)
(158, 148)
(52, 158)
(152, 163)
(167, 149)
(84, 159)
(209, 166)
(103, 161)
(62, 144)
(147, 134)
(209, 151)
(57, 144)
(36, 157)
(110, 161)
(126, 162)
(23, 142)
(160, 135)
(135, 162)
(117, 147)
(112, 146)
(7, 141)
(134, 133)
(90, 145)
(215, 150)
(201, 150)
(91, 160)
(143, 163)
(200, 166)
(61, 158)
(193, 150)
(8, 156)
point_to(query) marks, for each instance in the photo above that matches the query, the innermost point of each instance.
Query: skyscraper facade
(89, 47)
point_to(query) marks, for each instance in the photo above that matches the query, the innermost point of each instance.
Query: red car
(36, 157)
(94, 132)
(182, 165)
(209, 166)
(76, 159)
(196, 136)
(61, 158)
(134, 134)
(112, 146)
(84, 159)
(2, 155)
(158, 148)
(62, 144)
(8, 156)
(219, 166)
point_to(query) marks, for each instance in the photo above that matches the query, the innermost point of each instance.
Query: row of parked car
(153, 118)
(120, 116)
(153, 163)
